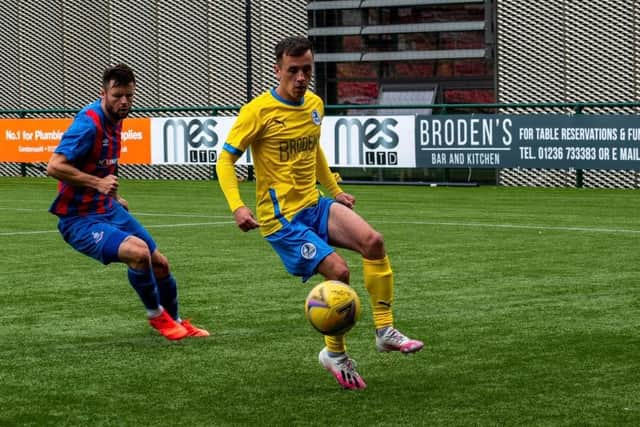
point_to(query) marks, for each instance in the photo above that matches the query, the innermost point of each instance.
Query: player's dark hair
(292, 46)
(120, 74)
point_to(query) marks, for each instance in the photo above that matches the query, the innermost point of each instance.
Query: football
(332, 307)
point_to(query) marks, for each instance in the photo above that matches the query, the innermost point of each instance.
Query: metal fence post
(579, 172)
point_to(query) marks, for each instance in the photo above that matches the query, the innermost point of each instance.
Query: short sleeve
(245, 129)
(78, 140)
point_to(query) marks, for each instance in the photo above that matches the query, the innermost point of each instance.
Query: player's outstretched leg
(168, 295)
(343, 368)
(391, 339)
(378, 280)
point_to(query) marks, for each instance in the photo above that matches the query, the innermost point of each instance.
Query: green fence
(561, 107)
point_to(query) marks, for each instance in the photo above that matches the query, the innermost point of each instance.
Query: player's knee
(374, 246)
(343, 275)
(341, 272)
(334, 267)
(136, 253)
(160, 264)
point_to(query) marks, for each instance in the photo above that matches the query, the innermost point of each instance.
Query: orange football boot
(168, 327)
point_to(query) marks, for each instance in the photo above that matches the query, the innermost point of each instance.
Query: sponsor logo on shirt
(291, 148)
(103, 163)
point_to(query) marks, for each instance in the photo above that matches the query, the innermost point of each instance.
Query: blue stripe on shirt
(231, 149)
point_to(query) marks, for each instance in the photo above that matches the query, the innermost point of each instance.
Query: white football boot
(394, 340)
(343, 368)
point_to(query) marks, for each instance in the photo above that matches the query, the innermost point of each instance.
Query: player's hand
(245, 219)
(108, 185)
(122, 201)
(346, 199)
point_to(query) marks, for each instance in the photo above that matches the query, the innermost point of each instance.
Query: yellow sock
(378, 279)
(335, 344)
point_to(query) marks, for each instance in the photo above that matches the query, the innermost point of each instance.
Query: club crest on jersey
(308, 251)
(315, 116)
(97, 236)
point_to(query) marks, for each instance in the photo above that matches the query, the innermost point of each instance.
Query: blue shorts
(302, 244)
(100, 235)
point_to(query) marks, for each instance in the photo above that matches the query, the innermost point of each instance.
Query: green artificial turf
(528, 301)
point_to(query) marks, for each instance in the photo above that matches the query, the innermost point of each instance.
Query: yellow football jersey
(285, 148)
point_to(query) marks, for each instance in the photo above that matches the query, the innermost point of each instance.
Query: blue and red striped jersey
(91, 144)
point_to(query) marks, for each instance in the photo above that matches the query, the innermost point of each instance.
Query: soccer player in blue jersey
(282, 127)
(95, 220)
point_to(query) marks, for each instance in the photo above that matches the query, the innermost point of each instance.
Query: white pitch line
(516, 226)
(44, 210)
(23, 209)
(188, 224)
(446, 224)
(22, 233)
(180, 215)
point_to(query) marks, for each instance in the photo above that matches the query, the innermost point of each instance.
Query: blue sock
(168, 291)
(143, 283)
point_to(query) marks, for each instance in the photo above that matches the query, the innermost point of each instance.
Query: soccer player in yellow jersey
(282, 127)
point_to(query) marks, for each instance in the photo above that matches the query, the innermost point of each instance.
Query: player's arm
(76, 143)
(329, 181)
(240, 137)
(117, 196)
(229, 185)
(60, 168)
